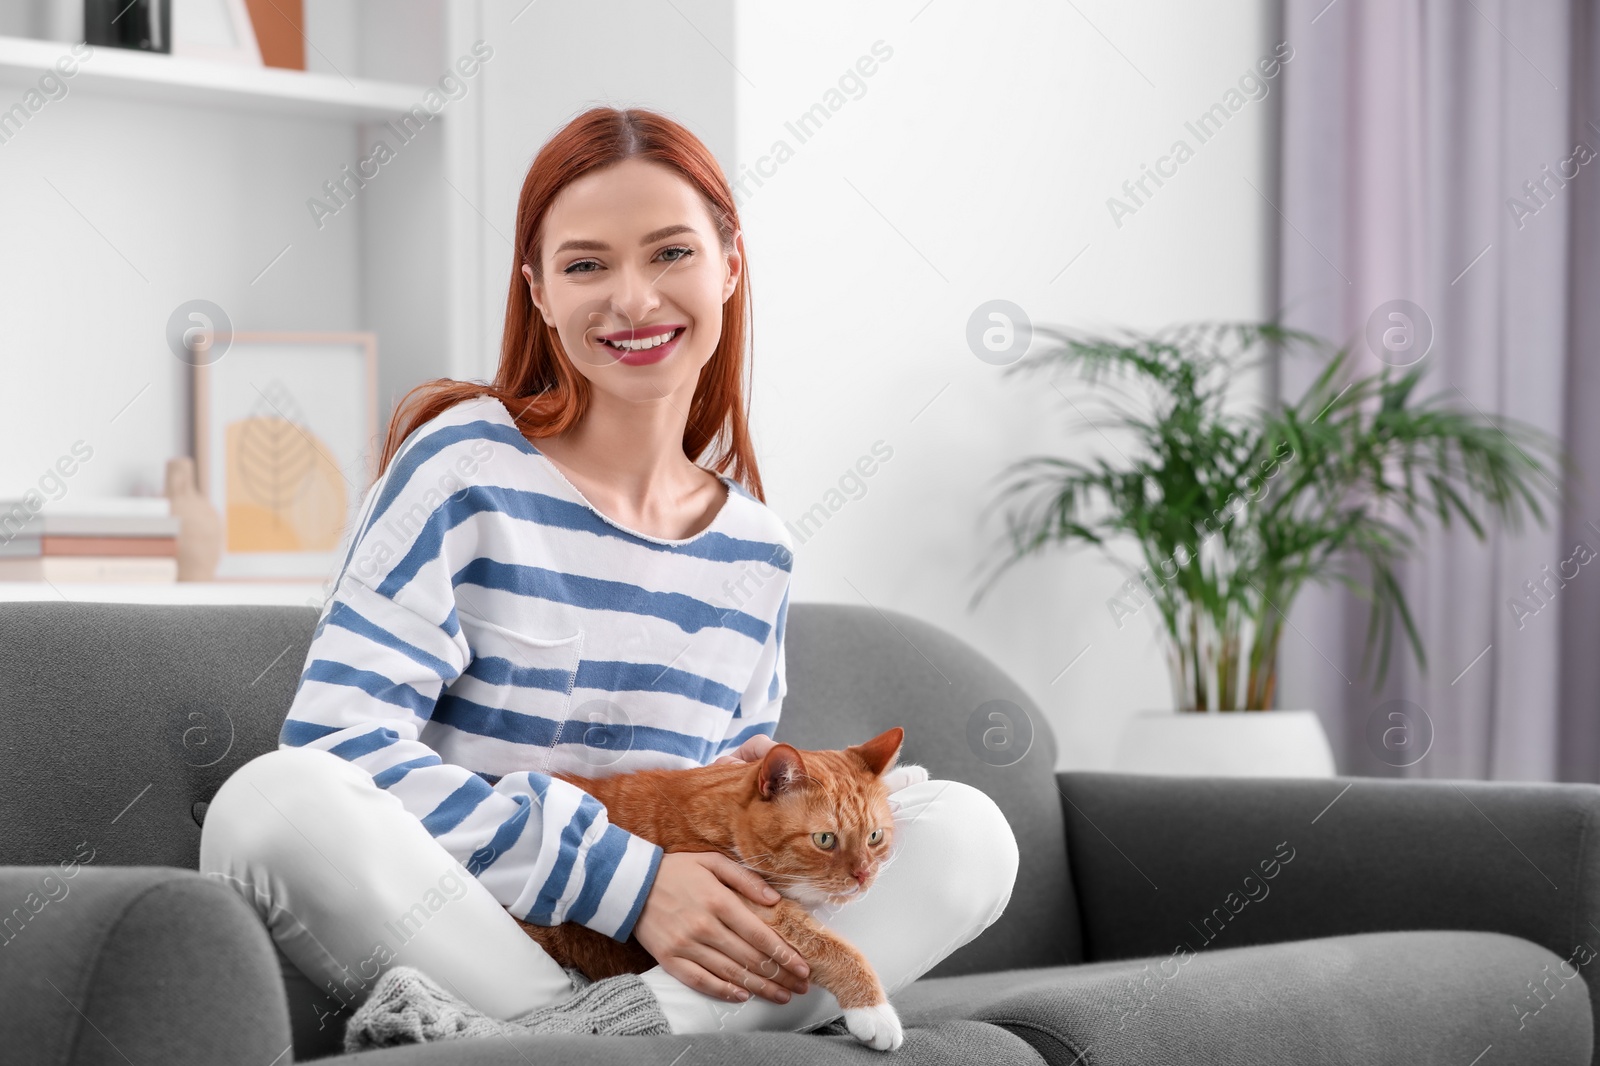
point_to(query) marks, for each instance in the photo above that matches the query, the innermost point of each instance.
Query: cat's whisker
(750, 864)
(779, 872)
(787, 880)
(764, 873)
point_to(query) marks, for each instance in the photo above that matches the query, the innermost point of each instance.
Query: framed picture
(286, 444)
(215, 29)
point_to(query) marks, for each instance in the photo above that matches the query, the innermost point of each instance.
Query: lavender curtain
(1446, 153)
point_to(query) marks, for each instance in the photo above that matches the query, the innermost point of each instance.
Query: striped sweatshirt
(489, 627)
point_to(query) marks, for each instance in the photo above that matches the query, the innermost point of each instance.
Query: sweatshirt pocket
(518, 690)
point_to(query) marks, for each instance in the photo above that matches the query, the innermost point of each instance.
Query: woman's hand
(753, 750)
(700, 931)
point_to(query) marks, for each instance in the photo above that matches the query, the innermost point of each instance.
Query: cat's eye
(823, 840)
(876, 837)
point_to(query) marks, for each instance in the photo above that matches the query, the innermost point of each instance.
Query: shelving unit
(155, 179)
(166, 79)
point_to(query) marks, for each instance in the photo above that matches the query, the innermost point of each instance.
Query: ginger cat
(808, 822)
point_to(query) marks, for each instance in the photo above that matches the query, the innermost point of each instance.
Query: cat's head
(820, 825)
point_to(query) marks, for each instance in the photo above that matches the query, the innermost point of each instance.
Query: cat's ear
(781, 770)
(880, 753)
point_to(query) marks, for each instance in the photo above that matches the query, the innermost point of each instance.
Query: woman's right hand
(695, 925)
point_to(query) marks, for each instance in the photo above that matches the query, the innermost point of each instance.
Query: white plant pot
(1226, 743)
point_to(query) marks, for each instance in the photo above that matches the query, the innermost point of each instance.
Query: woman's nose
(636, 294)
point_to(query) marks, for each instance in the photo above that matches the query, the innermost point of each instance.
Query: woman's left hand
(753, 750)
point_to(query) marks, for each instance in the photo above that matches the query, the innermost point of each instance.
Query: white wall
(975, 165)
(97, 252)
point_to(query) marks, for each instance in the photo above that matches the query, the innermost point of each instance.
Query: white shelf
(250, 592)
(131, 74)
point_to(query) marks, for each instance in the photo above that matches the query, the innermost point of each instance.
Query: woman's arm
(696, 926)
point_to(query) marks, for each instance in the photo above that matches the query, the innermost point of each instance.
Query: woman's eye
(580, 265)
(823, 840)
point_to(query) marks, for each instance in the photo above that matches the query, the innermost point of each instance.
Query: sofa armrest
(135, 964)
(1159, 861)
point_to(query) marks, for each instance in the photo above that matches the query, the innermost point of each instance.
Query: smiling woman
(635, 285)
(536, 587)
(626, 232)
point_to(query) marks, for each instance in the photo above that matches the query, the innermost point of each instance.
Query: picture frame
(217, 30)
(285, 445)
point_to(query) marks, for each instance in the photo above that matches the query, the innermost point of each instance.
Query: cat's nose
(860, 875)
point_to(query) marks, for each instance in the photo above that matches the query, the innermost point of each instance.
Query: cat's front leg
(839, 967)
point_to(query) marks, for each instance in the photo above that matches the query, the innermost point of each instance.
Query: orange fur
(762, 815)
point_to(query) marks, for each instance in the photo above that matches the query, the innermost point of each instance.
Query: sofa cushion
(1372, 998)
(942, 1043)
(118, 719)
(855, 671)
(123, 965)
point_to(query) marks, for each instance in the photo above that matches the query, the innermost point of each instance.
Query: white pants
(349, 883)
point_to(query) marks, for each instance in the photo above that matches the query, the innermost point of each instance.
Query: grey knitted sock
(407, 1007)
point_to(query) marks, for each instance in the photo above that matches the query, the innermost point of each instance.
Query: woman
(543, 580)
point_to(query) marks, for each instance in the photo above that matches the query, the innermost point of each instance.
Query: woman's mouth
(644, 350)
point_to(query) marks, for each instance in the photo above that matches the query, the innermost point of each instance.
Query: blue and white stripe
(490, 628)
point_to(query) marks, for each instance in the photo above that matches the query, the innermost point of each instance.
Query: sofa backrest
(118, 722)
(855, 671)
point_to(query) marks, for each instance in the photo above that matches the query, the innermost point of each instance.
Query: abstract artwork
(285, 442)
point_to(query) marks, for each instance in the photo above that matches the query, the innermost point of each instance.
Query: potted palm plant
(1233, 511)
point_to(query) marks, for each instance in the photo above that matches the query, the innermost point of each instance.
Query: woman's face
(631, 256)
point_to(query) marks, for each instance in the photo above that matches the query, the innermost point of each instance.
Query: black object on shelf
(144, 25)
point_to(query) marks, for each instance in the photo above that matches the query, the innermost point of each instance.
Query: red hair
(535, 380)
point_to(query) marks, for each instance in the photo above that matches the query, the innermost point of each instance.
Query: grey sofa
(1155, 920)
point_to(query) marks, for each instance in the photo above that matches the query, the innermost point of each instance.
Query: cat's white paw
(877, 1027)
(904, 775)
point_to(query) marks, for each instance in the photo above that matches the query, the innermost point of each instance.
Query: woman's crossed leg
(349, 883)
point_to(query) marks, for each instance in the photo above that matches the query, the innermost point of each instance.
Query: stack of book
(111, 541)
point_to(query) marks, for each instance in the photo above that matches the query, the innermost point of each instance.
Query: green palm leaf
(1234, 513)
